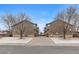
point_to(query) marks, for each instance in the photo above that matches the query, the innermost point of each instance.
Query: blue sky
(40, 14)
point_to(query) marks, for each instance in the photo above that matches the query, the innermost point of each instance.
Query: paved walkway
(14, 40)
(41, 41)
(65, 42)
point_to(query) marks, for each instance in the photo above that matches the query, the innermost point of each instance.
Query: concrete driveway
(41, 41)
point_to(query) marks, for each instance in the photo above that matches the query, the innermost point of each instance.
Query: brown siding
(56, 28)
(29, 29)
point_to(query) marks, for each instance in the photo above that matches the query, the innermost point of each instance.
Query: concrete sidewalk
(39, 41)
(14, 40)
(65, 42)
(27, 41)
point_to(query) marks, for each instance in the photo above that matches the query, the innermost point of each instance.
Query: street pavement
(39, 50)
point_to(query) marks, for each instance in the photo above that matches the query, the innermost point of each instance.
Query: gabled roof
(24, 21)
(59, 20)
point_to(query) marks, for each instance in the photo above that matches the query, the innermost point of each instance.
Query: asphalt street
(39, 50)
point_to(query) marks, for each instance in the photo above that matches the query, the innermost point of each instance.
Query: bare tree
(9, 21)
(22, 28)
(69, 15)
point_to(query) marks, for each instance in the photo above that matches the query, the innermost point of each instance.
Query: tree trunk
(64, 34)
(11, 35)
(21, 35)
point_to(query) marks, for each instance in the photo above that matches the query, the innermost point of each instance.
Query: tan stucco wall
(29, 29)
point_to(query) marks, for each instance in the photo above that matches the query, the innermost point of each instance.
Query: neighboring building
(3, 33)
(29, 28)
(55, 28)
